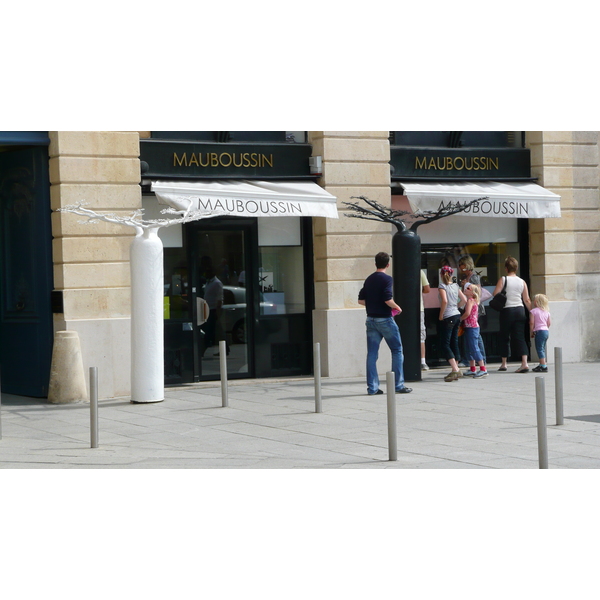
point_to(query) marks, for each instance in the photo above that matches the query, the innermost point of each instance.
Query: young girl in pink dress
(471, 330)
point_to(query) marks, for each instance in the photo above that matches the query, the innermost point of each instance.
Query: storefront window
(176, 298)
(488, 259)
(223, 137)
(459, 139)
(295, 137)
(281, 266)
(281, 276)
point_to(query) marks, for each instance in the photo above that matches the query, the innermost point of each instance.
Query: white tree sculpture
(147, 323)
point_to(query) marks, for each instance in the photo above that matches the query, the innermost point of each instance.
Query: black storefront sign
(460, 163)
(184, 160)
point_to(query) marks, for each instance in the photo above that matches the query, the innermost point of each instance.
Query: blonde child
(471, 330)
(539, 323)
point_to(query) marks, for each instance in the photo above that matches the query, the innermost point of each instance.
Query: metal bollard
(540, 401)
(391, 415)
(94, 406)
(558, 386)
(223, 364)
(317, 370)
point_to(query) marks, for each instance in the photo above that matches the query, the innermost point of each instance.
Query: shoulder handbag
(485, 295)
(202, 311)
(499, 300)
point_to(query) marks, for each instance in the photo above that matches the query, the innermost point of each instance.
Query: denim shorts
(541, 338)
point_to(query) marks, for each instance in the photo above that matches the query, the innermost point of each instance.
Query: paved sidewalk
(469, 424)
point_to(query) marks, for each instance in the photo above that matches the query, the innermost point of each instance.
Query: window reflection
(176, 292)
(281, 280)
(487, 258)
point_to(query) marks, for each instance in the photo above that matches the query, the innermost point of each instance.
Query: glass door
(221, 296)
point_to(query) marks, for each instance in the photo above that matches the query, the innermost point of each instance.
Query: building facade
(286, 283)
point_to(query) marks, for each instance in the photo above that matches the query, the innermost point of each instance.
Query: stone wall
(565, 252)
(354, 164)
(91, 261)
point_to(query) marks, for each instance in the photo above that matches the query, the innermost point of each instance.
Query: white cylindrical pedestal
(147, 321)
(67, 379)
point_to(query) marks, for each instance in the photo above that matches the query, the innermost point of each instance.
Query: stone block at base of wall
(105, 344)
(564, 333)
(343, 340)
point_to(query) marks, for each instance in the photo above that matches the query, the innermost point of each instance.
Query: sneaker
(404, 390)
(377, 393)
(424, 367)
(452, 376)
(459, 374)
(469, 373)
(480, 374)
(540, 369)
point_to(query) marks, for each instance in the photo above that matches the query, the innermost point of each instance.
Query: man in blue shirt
(376, 295)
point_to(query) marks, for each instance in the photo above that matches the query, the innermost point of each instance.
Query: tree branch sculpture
(378, 212)
(135, 219)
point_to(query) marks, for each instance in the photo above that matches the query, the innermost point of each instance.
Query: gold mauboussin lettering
(457, 163)
(224, 159)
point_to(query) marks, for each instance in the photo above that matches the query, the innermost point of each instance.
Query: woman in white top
(513, 317)
(450, 297)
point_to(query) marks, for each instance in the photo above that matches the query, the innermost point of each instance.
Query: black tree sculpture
(406, 250)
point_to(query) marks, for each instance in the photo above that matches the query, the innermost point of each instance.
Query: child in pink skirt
(471, 330)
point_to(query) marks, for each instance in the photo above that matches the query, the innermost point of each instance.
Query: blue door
(26, 331)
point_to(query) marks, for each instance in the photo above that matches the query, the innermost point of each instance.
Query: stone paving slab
(272, 424)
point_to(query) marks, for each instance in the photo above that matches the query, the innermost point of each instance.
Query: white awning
(522, 200)
(248, 198)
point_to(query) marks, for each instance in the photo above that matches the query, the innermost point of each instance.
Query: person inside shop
(376, 296)
(513, 319)
(242, 279)
(223, 272)
(425, 289)
(213, 295)
(205, 264)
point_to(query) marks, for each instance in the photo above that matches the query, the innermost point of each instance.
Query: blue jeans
(378, 329)
(541, 337)
(472, 338)
(480, 345)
